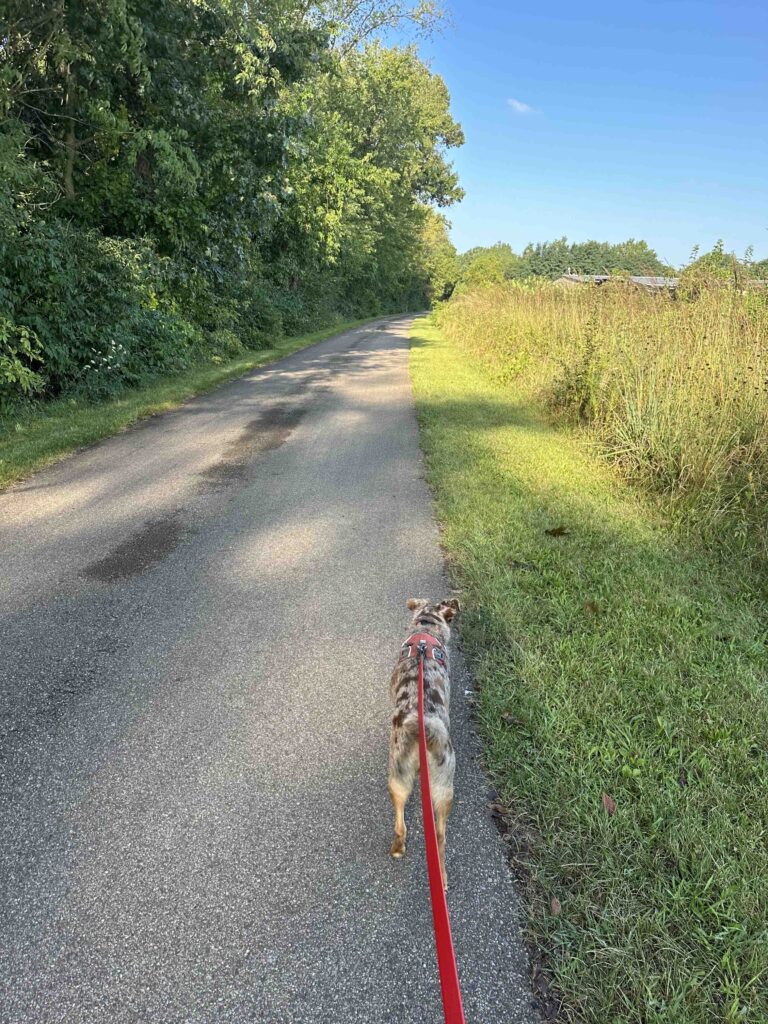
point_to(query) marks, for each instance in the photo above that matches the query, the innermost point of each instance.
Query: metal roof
(645, 282)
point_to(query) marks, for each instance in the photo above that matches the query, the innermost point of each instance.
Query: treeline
(179, 181)
(496, 263)
(549, 260)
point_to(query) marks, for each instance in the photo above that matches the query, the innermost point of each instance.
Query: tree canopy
(179, 178)
(552, 259)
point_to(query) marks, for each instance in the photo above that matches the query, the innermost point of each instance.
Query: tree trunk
(70, 139)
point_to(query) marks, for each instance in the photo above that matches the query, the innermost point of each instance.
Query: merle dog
(429, 625)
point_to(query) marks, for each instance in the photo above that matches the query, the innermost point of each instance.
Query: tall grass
(673, 389)
(621, 692)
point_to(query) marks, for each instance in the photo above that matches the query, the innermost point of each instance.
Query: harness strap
(432, 647)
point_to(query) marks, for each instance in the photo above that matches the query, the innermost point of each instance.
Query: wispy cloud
(519, 107)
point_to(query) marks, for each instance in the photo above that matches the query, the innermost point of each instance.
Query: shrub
(98, 309)
(19, 349)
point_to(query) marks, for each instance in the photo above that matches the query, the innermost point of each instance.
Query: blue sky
(643, 120)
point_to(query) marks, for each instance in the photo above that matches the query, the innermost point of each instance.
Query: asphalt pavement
(198, 618)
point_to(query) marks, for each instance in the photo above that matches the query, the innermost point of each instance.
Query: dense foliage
(551, 259)
(181, 178)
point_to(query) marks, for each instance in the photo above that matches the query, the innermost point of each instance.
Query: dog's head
(434, 614)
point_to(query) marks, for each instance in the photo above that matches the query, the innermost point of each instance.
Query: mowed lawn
(623, 683)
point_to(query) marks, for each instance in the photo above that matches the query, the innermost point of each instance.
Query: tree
(491, 265)
(438, 258)
(718, 268)
(553, 259)
(372, 158)
(356, 22)
(180, 178)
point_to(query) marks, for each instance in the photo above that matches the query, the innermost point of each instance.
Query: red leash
(453, 1011)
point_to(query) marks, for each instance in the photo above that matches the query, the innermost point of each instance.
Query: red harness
(433, 648)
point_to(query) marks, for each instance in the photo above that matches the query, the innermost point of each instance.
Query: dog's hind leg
(442, 769)
(403, 761)
(399, 794)
(442, 810)
(403, 764)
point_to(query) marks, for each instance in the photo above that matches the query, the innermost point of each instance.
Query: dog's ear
(450, 608)
(415, 602)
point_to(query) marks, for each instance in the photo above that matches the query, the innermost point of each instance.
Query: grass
(674, 390)
(49, 431)
(623, 703)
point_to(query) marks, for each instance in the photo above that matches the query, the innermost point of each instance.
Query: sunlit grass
(673, 390)
(615, 659)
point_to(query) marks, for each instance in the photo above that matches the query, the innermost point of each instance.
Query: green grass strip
(623, 705)
(49, 431)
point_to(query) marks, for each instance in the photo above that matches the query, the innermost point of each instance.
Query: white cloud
(519, 107)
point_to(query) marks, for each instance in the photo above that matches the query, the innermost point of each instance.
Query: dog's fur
(432, 618)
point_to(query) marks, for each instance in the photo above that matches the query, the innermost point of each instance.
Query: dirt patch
(148, 546)
(268, 431)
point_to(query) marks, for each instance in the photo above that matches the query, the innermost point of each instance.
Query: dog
(433, 620)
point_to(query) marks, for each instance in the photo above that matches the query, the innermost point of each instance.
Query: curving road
(198, 619)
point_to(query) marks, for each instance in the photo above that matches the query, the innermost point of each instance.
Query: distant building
(651, 284)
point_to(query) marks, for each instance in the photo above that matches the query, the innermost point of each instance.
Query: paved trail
(199, 618)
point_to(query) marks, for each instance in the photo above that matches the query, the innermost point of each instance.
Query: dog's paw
(397, 850)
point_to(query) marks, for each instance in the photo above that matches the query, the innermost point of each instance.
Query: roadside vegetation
(183, 183)
(35, 435)
(621, 667)
(673, 389)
